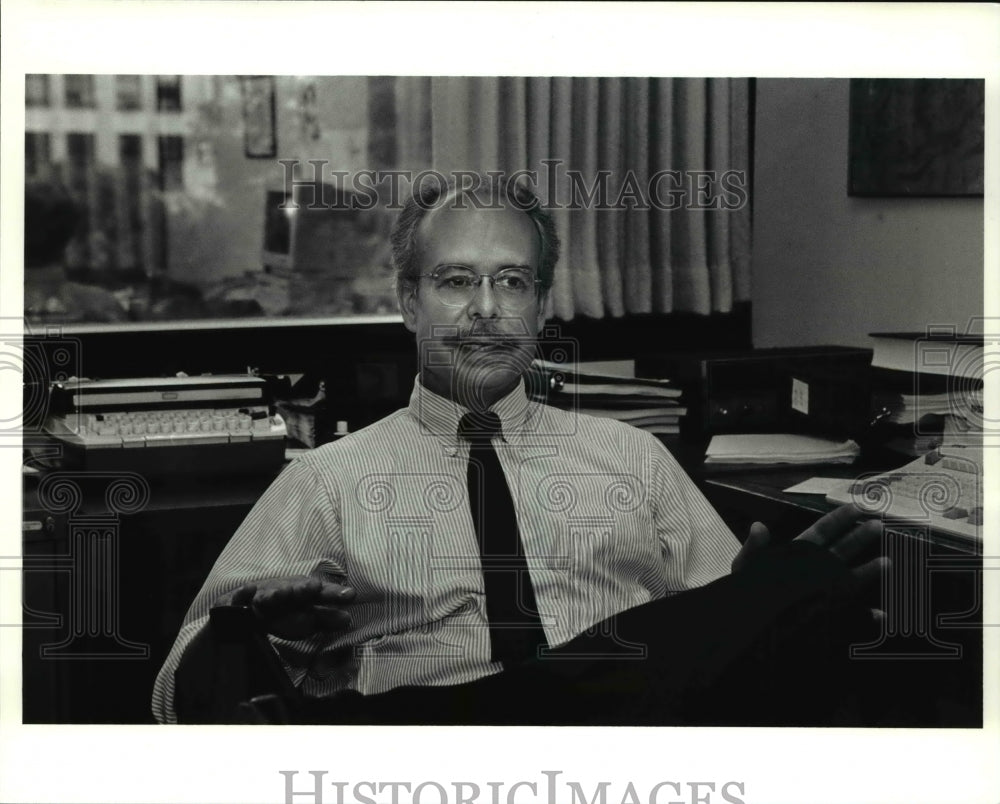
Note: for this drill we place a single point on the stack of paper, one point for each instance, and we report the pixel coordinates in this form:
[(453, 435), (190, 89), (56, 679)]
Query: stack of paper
[(779, 448), (909, 408), (604, 390), (927, 387), (945, 354), (579, 379)]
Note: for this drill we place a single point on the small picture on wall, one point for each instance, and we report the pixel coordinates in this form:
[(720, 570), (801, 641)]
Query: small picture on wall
[(916, 137), (259, 139)]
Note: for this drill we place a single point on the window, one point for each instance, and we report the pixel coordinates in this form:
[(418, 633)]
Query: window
[(37, 152), (80, 149), (80, 92), (81, 181), (168, 93), (131, 203), (128, 93), (36, 91), (130, 150), (171, 163)]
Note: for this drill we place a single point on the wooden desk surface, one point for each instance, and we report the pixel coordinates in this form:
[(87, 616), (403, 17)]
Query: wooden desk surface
[(742, 497), (768, 485), (178, 495)]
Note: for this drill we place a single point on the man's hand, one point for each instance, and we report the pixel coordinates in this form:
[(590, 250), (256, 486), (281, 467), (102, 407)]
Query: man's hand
[(845, 532), (296, 608)]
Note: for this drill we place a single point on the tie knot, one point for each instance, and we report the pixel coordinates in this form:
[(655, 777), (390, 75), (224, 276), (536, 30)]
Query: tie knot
[(477, 426)]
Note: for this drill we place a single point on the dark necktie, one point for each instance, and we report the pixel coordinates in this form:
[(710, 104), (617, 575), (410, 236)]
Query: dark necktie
[(515, 628)]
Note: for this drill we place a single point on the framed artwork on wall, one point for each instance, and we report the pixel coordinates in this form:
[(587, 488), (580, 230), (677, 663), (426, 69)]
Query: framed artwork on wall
[(916, 137), (259, 137)]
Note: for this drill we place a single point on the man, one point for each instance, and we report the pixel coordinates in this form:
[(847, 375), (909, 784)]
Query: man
[(364, 562)]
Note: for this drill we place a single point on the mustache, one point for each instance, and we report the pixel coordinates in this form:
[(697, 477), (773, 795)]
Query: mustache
[(483, 339), (489, 331), (510, 331)]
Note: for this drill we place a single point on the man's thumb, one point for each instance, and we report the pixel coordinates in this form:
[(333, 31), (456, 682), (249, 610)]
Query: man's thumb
[(758, 539)]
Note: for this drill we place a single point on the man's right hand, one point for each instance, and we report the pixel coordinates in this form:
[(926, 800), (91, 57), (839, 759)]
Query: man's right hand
[(296, 608)]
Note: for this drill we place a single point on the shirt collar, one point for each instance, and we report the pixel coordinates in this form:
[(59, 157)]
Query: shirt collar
[(439, 416)]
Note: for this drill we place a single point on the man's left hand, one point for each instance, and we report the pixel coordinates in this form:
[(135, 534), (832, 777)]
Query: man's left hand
[(846, 533)]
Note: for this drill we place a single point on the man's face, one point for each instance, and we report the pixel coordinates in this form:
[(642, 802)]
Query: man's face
[(474, 352)]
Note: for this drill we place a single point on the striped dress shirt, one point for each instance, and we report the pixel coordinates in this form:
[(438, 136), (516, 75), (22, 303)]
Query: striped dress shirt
[(608, 519)]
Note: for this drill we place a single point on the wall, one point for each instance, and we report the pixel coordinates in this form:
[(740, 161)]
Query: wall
[(828, 269)]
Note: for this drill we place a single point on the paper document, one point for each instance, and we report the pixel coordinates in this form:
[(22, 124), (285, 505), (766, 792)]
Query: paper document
[(779, 448), (819, 485)]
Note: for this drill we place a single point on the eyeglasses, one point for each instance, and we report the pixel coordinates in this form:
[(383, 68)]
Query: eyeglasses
[(456, 285)]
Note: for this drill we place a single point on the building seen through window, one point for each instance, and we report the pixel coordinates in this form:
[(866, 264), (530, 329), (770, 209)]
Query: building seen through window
[(36, 91), (174, 200), (128, 93), (80, 92), (37, 152), (168, 93), (171, 163), (80, 149), (130, 149)]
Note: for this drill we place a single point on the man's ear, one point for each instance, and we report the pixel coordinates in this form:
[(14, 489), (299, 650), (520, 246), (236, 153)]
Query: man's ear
[(406, 295), (544, 310)]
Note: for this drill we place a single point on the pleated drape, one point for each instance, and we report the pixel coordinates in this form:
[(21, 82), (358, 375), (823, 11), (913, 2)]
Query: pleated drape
[(597, 146), (637, 270), (413, 122), (610, 232)]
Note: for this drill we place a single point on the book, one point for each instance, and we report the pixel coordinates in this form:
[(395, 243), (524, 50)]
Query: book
[(611, 401), (609, 368), (910, 408), (929, 353), (918, 378), (573, 374), (663, 413), (547, 379), (649, 404), (652, 423), (610, 389)]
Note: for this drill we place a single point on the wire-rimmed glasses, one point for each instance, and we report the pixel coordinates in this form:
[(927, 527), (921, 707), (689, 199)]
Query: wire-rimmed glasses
[(456, 285)]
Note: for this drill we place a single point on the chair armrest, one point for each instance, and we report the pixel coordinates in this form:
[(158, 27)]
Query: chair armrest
[(227, 665)]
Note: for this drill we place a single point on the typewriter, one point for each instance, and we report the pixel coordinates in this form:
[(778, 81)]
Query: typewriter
[(176, 426)]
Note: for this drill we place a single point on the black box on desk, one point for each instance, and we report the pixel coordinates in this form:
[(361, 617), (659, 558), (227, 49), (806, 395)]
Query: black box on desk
[(822, 390)]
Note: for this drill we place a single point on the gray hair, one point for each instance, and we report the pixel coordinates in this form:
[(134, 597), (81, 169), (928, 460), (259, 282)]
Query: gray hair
[(427, 195)]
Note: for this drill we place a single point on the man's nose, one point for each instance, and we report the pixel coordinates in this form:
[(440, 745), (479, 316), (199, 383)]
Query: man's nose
[(484, 300)]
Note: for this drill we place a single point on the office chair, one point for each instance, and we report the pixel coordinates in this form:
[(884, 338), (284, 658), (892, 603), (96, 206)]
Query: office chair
[(232, 674), (766, 646)]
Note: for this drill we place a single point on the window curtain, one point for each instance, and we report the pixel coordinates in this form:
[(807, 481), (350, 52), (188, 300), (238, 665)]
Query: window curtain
[(627, 252)]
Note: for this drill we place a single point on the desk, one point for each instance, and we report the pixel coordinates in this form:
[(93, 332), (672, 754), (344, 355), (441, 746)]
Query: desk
[(745, 497), (932, 598), (106, 584), (100, 667)]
